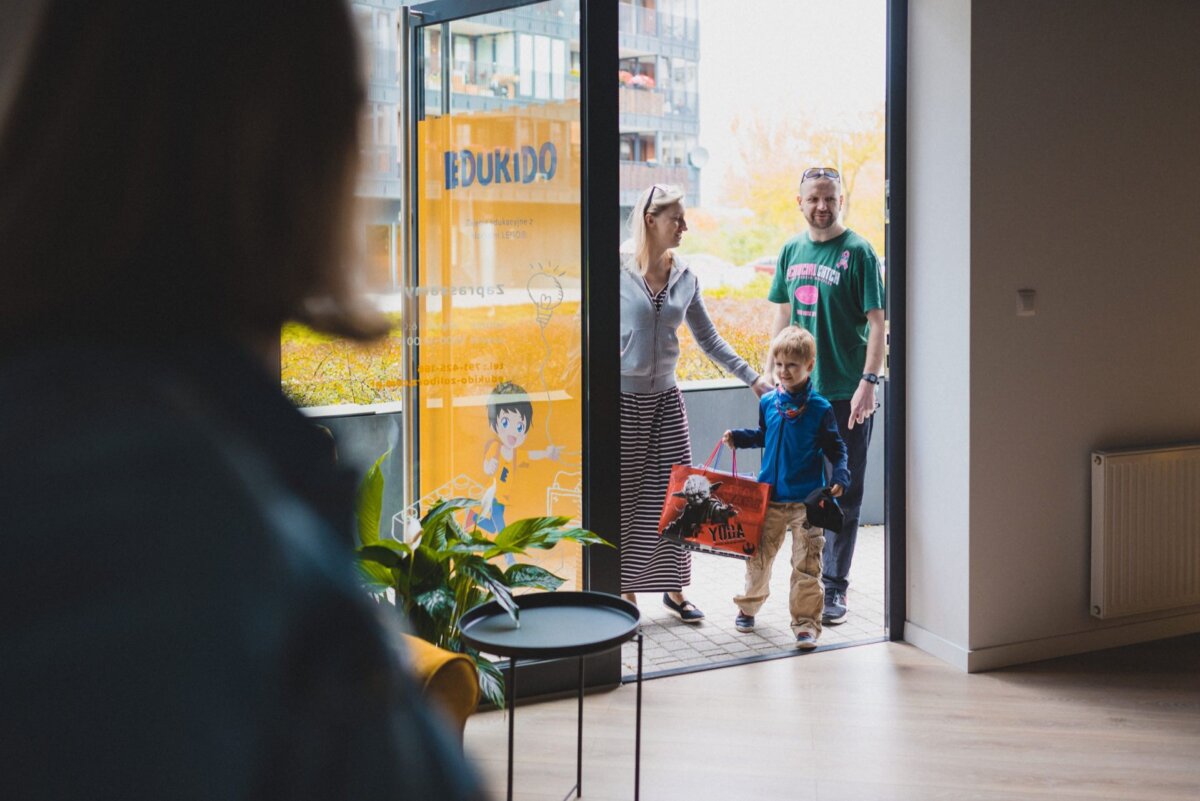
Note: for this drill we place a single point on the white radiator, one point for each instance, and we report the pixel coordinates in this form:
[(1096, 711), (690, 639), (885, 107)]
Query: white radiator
[(1145, 530)]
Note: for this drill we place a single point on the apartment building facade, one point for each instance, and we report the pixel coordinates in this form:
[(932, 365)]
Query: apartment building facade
[(531, 54)]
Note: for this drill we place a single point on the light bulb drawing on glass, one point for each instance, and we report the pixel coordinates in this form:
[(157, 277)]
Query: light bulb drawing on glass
[(546, 292)]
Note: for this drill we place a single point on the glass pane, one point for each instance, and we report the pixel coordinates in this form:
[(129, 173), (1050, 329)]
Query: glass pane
[(431, 69), (526, 43), (328, 372), (499, 407)]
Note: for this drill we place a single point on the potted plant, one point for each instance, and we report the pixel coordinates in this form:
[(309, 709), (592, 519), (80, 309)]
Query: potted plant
[(444, 569)]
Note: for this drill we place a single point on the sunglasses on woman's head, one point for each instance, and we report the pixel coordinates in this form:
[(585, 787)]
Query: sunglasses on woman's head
[(646, 210)]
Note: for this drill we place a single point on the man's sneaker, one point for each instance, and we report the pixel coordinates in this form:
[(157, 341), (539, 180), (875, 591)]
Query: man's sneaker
[(686, 611), (743, 622), (835, 608), (806, 641)]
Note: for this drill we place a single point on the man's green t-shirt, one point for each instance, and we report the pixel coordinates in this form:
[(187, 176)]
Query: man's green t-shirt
[(831, 286)]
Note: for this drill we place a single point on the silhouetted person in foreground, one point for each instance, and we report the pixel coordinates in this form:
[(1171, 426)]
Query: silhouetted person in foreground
[(179, 617)]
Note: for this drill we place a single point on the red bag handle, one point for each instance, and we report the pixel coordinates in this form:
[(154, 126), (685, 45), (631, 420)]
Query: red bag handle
[(713, 459)]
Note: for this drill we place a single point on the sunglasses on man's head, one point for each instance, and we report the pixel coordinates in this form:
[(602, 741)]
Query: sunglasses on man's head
[(646, 210), (820, 172)]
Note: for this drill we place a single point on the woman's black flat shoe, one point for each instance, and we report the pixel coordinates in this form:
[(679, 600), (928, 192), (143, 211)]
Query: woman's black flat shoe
[(686, 611)]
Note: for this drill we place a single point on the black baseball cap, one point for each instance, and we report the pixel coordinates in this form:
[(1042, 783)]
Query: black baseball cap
[(822, 510)]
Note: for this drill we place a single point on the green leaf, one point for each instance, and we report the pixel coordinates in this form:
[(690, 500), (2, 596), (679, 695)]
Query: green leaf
[(395, 546), (581, 535), (446, 551), (542, 533), (471, 547), (439, 522), (503, 596), (425, 626), (369, 503), (456, 533), (438, 603), (447, 506), (481, 571), (374, 577), (475, 597), (429, 569), (491, 680), (520, 575), (520, 534), (490, 578), (385, 553)]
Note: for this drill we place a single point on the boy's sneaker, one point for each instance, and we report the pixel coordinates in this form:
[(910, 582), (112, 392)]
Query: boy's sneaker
[(835, 608), (806, 640), (743, 622)]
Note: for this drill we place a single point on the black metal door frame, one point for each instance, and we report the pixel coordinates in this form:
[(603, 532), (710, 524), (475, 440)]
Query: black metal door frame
[(895, 483), (600, 225)]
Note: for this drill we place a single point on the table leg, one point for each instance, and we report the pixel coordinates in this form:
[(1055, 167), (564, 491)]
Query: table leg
[(512, 716), (579, 738), (637, 753)]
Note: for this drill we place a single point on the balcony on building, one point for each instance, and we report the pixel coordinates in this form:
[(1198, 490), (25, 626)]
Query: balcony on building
[(476, 86), (671, 111), (377, 22), (637, 175), (555, 18), (505, 59), (667, 27)]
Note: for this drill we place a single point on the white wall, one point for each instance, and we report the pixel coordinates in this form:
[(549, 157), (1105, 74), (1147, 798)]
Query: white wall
[(938, 335), (1084, 174)]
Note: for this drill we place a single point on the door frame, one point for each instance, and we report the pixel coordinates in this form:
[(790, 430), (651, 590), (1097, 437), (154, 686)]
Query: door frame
[(599, 113), (600, 334), (895, 453)]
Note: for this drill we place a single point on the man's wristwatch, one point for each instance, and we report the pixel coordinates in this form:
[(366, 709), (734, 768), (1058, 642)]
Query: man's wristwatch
[(870, 378)]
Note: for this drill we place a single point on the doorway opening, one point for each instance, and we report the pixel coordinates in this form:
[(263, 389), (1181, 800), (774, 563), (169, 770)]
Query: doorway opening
[(720, 99), (709, 98)]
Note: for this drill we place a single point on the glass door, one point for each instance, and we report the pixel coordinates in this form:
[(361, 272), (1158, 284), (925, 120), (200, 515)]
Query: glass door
[(497, 297)]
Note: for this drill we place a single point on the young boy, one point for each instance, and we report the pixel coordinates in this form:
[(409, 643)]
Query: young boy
[(798, 432), (509, 416)]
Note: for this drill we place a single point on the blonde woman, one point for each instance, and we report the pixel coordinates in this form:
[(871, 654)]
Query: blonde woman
[(658, 294)]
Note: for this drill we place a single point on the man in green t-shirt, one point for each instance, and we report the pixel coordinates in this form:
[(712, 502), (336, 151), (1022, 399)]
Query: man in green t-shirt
[(827, 280)]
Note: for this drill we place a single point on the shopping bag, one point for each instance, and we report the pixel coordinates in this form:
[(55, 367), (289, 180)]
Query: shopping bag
[(710, 511)]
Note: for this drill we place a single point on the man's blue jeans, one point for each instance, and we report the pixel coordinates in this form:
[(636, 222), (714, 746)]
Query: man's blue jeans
[(839, 546)]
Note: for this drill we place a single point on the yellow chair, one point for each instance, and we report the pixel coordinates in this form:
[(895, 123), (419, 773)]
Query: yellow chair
[(446, 677)]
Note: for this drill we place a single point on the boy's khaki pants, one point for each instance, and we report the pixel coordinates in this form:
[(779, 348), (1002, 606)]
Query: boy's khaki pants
[(806, 597)]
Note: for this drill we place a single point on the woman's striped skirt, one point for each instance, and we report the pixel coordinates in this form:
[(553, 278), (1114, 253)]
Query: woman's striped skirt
[(654, 436)]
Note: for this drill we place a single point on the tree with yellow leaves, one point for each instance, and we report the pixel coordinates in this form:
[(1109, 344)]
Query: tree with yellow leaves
[(772, 153)]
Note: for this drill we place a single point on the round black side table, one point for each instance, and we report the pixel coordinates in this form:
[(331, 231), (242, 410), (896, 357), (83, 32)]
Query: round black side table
[(555, 625)]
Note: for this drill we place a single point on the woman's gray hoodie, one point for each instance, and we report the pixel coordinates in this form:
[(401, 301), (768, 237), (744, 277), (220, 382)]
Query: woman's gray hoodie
[(649, 344)]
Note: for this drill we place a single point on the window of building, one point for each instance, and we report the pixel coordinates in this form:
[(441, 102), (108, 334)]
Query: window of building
[(628, 147), (541, 67)]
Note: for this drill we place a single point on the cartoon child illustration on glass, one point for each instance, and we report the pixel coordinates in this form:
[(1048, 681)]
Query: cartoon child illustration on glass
[(510, 414)]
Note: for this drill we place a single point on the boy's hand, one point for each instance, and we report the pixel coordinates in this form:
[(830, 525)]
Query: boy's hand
[(835, 491), (553, 452), (727, 438), (490, 465)]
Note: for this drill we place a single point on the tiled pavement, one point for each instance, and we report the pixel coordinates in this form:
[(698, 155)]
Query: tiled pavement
[(671, 645)]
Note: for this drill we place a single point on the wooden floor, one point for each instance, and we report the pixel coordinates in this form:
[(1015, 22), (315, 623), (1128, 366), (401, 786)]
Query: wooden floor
[(882, 722)]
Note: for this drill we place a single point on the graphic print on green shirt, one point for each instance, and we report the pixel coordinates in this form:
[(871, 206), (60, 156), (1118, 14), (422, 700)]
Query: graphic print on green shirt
[(831, 286)]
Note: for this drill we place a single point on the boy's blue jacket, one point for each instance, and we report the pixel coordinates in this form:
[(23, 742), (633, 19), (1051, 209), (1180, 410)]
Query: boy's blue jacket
[(797, 432)]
